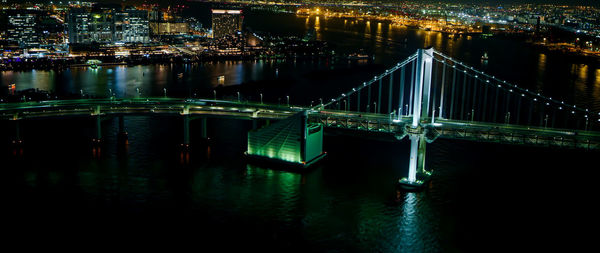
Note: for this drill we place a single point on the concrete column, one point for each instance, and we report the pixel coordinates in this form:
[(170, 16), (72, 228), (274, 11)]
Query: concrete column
[(122, 125), (254, 124), (17, 140), (421, 155), (416, 164), (204, 130), (122, 134), (98, 120), (186, 130), (414, 156)]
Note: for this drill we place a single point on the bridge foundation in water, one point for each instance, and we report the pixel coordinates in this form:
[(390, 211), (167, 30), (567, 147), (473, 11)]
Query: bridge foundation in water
[(417, 174)]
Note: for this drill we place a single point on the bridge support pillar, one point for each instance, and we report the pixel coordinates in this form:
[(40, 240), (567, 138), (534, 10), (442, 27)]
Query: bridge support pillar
[(204, 130), (417, 175), (98, 135), (17, 138), (254, 124), (186, 131), (122, 135)]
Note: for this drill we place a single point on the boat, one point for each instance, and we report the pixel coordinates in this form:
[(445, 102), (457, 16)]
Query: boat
[(94, 63), (484, 57), (361, 55)]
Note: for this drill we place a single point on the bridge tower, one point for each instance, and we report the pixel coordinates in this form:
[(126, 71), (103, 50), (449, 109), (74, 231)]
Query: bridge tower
[(420, 111)]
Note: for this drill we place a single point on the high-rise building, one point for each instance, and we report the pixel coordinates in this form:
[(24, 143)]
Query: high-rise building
[(169, 28), (226, 22), (131, 26), (155, 15), (88, 27), (108, 26), (22, 29)]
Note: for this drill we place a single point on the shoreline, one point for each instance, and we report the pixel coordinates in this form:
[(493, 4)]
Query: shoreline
[(60, 64)]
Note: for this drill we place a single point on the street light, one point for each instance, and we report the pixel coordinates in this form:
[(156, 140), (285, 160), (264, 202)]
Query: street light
[(239, 99), (261, 98), (288, 100)]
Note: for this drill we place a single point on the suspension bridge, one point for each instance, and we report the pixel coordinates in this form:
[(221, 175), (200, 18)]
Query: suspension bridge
[(425, 97)]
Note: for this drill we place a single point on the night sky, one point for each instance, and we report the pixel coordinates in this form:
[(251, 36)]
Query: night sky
[(166, 2)]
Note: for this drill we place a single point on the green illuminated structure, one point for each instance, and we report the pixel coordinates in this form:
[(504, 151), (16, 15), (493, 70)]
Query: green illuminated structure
[(290, 141)]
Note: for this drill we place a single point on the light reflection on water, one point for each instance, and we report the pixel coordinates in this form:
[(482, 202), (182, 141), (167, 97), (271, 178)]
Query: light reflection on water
[(343, 204), (508, 59)]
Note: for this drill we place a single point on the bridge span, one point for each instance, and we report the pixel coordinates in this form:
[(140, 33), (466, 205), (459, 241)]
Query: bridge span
[(426, 97)]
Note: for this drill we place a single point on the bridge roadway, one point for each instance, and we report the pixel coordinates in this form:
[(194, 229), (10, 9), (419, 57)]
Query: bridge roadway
[(370, 122), (169, 106), (462, 130)]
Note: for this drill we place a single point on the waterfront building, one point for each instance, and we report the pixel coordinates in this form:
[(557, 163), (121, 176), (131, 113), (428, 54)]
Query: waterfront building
[(107, 26), (169, 28), (22, 29), (226, 22), (90, 27), (131, 26)]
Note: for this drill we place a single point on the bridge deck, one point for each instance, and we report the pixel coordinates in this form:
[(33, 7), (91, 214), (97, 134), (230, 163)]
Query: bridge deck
[(87, 107), (463, 130), (370, 122)]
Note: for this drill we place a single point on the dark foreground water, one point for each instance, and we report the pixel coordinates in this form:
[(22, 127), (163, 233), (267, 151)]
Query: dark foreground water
[(483, 197)]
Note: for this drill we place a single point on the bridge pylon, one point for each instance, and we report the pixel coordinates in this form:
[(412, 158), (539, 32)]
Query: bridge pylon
[(421, 86)]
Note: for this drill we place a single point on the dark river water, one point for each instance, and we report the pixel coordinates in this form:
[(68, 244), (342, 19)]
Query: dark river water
[(483, 197)]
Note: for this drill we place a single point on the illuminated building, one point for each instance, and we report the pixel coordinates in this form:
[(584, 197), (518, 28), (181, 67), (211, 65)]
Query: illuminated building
[(226, 22), (131, 26), (86, 27), (22, 29), (169, 28), (108, 26)]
